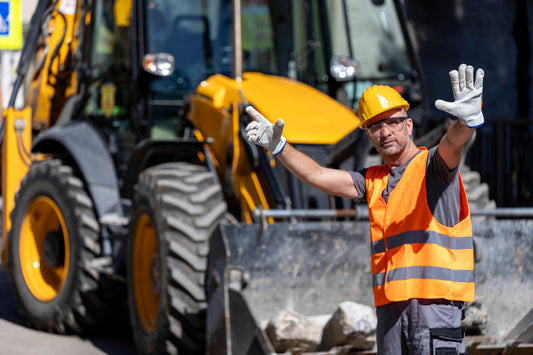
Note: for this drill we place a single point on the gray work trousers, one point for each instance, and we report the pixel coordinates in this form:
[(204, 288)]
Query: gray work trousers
[(420, 327)]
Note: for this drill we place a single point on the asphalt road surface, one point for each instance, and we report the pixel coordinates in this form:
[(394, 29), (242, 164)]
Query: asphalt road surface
[(17, 339)]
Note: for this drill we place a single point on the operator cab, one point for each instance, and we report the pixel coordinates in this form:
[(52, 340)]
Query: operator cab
[(167, 48)]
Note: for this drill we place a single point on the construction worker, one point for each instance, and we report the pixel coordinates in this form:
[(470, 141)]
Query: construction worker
[(420, 228)]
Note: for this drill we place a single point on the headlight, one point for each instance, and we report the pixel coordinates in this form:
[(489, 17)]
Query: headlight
[(160, 64), (343, 68)]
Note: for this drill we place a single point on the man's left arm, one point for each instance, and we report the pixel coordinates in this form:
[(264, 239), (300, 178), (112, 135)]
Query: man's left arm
[(466, 107)]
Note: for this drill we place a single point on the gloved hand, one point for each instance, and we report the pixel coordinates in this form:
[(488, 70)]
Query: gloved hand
[(264, 133), (467, 95)]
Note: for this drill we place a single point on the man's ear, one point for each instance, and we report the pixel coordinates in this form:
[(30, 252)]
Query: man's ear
[(409, 123)]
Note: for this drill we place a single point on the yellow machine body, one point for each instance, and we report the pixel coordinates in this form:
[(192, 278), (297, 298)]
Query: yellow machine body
[(16, 145), (312, 118), (53, 79)]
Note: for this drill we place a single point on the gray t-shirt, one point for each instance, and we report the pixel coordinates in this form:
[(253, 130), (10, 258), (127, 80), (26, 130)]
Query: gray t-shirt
[(442, 186)]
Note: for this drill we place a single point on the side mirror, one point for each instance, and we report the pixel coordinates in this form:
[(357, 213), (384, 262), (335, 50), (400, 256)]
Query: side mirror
[(160, 64), (343, 68)]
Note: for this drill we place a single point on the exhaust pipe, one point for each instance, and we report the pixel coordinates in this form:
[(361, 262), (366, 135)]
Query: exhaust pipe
[(237, 40)]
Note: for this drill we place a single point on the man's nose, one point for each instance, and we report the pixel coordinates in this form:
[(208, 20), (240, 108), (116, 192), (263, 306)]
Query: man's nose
[(385, 129)]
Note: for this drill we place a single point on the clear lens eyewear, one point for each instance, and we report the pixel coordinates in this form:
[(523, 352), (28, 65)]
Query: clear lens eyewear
[(394, 124)]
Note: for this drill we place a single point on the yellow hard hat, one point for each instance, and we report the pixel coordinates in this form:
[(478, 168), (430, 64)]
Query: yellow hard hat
[(376, 100)]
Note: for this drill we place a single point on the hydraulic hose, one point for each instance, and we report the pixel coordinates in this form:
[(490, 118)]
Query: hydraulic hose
[(29, 47), (31, 40)]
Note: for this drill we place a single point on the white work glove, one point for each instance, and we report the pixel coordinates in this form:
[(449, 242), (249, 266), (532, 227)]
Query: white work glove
[(467, 95), (264, 133)]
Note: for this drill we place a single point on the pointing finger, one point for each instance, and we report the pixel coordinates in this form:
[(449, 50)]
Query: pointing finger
[(255, 114)]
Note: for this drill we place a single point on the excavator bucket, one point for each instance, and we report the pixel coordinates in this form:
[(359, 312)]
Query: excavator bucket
[(256, 272), (504, 286)]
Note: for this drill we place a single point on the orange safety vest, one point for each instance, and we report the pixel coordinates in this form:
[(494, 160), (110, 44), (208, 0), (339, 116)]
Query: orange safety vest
[(412, 254)]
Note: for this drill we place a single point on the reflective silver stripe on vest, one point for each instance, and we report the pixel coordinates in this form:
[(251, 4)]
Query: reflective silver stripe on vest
[(423, 272), (377, 247), (422, 236), (378, 279)]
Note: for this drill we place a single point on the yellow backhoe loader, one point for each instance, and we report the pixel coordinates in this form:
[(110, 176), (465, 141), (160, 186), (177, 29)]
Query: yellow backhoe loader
[(126, 177)]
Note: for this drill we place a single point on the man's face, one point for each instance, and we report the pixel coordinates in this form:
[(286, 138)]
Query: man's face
[(391, 133)]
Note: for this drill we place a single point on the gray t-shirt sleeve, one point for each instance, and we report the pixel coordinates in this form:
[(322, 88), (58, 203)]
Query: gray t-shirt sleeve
[(360, 184), (443, 192)]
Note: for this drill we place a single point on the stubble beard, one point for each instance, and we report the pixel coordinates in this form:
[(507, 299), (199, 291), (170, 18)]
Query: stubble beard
[(393, 151)]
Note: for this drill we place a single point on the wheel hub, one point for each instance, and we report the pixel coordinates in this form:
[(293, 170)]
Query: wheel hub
[(43, 249), (54, 249), (156, 273)]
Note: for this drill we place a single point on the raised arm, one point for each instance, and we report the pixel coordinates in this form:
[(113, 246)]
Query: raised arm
[(466, 107), (332, 181)]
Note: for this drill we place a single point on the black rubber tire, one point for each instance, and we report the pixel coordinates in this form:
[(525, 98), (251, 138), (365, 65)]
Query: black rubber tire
[(84, 299), (178, 205)]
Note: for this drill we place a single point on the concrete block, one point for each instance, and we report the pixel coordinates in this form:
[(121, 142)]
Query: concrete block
[(351, 324), (290, 330)]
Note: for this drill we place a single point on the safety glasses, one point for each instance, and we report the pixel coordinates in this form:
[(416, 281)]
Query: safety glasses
[(394, 124)]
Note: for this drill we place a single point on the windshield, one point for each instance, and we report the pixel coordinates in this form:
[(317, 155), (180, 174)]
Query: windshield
[(110, 62), (199, 36), (295, 39), (369, 31), (377, 40), (279, 37)]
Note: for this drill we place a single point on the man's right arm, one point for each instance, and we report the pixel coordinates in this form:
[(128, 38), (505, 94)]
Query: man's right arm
[(332, 181)]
